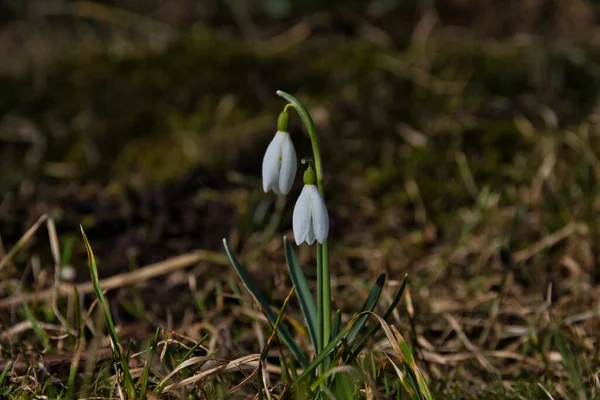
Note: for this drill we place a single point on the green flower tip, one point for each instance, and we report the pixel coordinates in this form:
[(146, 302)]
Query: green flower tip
[(283, 122), (309, 176)]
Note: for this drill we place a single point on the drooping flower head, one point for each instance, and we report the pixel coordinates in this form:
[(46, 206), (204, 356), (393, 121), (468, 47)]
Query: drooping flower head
[(310, 220), (280, 162)]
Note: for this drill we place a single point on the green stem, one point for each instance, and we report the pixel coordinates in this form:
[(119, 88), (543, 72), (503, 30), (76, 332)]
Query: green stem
[(320, 308), (323, 276), (312, 132), (326, 284)]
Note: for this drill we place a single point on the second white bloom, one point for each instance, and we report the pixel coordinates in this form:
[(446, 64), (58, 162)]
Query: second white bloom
[(310, 220)]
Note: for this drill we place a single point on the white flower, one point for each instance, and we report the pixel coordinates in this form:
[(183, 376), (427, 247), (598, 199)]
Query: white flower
[(279, 164), (310, 219)]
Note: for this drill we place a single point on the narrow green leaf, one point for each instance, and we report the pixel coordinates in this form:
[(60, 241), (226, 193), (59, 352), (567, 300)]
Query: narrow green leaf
[(307, 302), (369, 305), (5, 373), (327, 350), (78, 324), (146, 371), (117, 352), (342, 386), (572, 366), (293, 371), (388, 312), (285, 378), (337, 322), (193, 349), (411, 383), (35, 325), (414, 371), (79, 340), (67, 251), (282, 330), (73, 371)]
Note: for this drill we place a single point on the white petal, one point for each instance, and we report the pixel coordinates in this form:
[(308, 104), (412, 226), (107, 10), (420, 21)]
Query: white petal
[(270, 166), (301, 220), (318, 210), (310, 237), (289, 164)]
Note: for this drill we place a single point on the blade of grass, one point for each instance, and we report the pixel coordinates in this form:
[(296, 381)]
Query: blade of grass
[(572, 366), (415, 372), (369, 305), (282, 331), (37, 329), (327, 349), (5, 373), (79, 329), (77, 322), (265, 351), (416, 383), (146, 371), (193, 349), (307, 302), (340, 371), (293, 371), (117, 352), (55, 250), (546, 392), (405, 380), (67, 251), (73, 375), (22, 241), (337, 322), (388, 312)]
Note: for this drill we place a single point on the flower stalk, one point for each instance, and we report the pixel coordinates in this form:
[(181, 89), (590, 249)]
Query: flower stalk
[(323, 275)]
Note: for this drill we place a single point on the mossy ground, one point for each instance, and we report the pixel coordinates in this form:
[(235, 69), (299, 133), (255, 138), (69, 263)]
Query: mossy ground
[(470, 165)]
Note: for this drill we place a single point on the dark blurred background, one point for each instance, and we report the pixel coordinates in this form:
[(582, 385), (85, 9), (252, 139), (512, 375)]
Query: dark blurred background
[(147, 120)]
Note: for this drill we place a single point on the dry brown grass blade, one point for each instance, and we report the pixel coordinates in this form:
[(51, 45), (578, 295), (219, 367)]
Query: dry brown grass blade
[(247, 379), (469, 345), (189, 362), (398, 370), (129, 278), (24, 239), (26, 325), (55, 250), (235, 364), (399, 346), (448, 359), (546, 242)]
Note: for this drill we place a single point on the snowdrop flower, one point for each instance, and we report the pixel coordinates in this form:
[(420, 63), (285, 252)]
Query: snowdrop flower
[(280, 162), (310, 220)]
